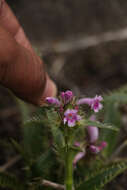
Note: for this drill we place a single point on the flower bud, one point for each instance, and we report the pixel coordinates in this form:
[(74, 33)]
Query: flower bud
[(66, 96), (53, 101), (102, 145), (94, 149)]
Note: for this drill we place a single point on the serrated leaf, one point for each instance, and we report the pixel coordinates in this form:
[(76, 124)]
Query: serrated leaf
[(54, 125), (42, 164), (33, 139), (100, 178), (98, 124)]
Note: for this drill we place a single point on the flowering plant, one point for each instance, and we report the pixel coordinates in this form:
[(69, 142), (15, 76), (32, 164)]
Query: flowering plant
[(67, 142), (72, 121)]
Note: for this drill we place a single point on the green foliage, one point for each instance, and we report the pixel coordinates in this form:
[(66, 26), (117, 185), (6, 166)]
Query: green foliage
[(98, 124), (53, 122), (100, 178), (24, 109), (44, 161), (45, 137), (11, 182), (112, 115)]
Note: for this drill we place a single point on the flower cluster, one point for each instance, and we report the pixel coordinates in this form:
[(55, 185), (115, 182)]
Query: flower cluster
[(71, 115), (69, 109)]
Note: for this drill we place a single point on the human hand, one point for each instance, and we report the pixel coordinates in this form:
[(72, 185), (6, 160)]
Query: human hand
[(21, 70)]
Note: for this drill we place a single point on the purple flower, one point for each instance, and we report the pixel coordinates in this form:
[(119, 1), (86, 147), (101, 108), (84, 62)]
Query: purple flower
[(53, 101), (78, 157), (84, 101), (93, 131), (94, 103), (71, 116), (94, 149), (102, 145), (66, 96)]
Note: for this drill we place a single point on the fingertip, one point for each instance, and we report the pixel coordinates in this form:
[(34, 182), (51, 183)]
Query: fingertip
[(50, 91)]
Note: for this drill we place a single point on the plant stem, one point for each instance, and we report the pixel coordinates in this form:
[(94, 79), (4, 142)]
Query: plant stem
[(68, 165), (68, 172)]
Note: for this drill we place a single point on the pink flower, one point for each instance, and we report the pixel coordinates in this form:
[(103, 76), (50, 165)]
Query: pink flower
[(94, 103), (93, 131), (53, 101), (66, 96), (77, 144), (78, 157), (84, 101), (96, 149), (102, 145), (71, 116)]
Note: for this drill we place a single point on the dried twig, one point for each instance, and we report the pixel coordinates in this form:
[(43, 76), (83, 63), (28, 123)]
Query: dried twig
[(83, 42), (52, 184), (10, 163)]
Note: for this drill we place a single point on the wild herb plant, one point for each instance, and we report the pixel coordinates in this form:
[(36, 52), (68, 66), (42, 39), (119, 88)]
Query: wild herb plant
[(68, 142)]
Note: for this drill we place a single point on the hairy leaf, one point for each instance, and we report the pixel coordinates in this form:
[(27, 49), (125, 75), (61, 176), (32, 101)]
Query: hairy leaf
[(100, 178), (42, 164), (98, 124)]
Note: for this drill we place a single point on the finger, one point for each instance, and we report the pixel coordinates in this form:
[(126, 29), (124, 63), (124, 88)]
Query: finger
[(22, 71), (11, 24)]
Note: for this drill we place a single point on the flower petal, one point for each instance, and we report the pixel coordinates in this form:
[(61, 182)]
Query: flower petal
[(53, 101), (78, 157), (65, 120), (71, 123), (84, 101)]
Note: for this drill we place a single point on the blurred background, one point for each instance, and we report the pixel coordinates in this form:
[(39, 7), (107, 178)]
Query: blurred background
[(83, 44)]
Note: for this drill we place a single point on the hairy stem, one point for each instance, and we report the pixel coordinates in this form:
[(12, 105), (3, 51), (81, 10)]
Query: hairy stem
[(68, 173), (68, 165)]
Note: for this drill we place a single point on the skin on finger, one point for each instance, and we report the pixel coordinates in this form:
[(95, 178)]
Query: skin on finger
[(11, 24), (21, 69), (49, 91)]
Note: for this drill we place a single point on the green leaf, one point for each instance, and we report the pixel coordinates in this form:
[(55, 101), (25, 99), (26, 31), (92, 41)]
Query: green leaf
[(111, 115), (42, 164), (120, 98), (98, 124), (33, 139), (9, 181), (54, 125), (18, 147), (100, 178), (24, 109)]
